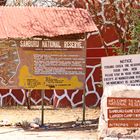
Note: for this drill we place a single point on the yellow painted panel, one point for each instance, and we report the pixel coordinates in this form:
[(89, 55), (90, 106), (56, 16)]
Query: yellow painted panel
[(29, 81)]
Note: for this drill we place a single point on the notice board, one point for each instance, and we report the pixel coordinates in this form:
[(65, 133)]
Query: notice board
[(121, 70)]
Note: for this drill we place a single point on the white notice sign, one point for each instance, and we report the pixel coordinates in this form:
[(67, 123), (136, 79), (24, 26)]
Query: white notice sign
[(121, 70)]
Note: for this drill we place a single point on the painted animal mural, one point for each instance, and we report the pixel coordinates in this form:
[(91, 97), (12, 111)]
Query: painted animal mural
[(112, 29)]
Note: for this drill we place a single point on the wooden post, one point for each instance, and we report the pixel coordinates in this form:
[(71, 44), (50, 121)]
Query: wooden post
[(84, 89), (28, 100), (42, 107), (84, 105)]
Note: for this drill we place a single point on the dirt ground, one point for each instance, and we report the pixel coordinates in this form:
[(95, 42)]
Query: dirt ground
[(51, 115)]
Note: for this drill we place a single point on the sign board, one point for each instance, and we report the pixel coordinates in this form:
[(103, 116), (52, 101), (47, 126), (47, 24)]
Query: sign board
[(120, 112), (121, 70), (123, 112), (44, 64)]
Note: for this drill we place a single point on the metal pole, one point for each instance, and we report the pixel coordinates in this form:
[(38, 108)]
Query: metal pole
[(42, 107)]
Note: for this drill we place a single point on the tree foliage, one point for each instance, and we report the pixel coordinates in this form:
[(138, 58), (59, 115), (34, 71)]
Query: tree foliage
[(131, 39)]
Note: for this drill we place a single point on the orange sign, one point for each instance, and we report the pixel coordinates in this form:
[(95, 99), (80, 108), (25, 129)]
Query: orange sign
[(123, 123), (121, 110), (123, 113), (123, 102)]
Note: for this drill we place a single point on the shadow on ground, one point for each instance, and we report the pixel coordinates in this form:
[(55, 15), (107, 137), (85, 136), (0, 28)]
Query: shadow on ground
[(68, 126)]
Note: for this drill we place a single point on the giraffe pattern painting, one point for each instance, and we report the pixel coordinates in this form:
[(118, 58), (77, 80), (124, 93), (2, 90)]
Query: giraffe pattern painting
[(99, 44)]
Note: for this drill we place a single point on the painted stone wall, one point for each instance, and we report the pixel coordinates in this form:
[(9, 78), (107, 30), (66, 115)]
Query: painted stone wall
[(99, 44)]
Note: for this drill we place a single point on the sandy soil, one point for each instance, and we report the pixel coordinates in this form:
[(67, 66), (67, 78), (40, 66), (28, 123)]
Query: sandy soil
[(18, 114)]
